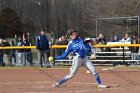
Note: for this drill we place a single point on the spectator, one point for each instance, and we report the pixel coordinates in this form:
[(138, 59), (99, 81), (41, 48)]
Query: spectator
[(1, 54), (28, 52), (42, 44), (116, 39), (101, 39), (59, 41), (126, 38), (134, 37), (12, 52), (134, 50), (6, 52), (62, 41), (90, 41), (20, 52), (58, 50)]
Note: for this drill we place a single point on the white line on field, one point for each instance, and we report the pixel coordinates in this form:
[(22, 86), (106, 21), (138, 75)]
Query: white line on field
[(26, 82), (84, 83), (45, 82), (81, 91), (53, 68), (128, 70), (101, 69)]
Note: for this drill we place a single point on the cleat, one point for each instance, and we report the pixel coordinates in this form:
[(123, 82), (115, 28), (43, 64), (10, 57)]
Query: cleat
[(48, 66), (88, 72), (102, 86), (56, 85), (41, 68)]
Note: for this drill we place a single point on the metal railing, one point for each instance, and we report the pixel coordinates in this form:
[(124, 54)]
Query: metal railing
[(100, 58)]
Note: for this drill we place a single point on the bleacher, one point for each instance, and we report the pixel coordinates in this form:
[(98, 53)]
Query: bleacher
[(110, 55)]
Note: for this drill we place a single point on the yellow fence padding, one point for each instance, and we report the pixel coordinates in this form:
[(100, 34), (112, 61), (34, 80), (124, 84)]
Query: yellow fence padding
[(64, 46)]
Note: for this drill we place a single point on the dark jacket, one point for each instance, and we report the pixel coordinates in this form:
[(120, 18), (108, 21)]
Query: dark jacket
[(20, 43), (102, 40), (6, 51), (63, 43), (42, 42), (134, 49), (12, 51), (1, 45), (26, 43)]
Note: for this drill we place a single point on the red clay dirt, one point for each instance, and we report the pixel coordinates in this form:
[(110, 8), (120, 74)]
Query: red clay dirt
[(35, 80)]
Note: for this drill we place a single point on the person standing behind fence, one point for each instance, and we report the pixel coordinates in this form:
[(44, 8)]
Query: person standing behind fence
[(6, 52), (42, 44), (58, 50), (12, 52), (134, 50), (126, 38), (101, 40), (115, 39), (64, 42), (20, 52), (1, 54), (28, 52)]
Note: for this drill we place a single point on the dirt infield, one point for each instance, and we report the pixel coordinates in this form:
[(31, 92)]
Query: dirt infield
[(35, 80)]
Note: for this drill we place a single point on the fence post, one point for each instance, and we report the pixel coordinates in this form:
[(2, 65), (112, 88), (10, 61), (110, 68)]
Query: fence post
[(54, 55), (123, 55)]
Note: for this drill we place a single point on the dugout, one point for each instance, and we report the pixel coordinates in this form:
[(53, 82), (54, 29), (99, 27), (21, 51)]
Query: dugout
[(117, 26)]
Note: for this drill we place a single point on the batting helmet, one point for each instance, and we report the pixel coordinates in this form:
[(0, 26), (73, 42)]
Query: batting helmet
[(70, 31)]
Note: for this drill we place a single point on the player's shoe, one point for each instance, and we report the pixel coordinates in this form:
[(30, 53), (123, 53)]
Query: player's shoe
[(48, 66), (56, 85), (102, 86), (88, 72)]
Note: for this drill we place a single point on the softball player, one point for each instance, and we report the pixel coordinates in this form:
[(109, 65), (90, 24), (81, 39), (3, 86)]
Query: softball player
[(77, 45)]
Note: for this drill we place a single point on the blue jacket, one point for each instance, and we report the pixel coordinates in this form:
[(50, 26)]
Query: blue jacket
[(42, 42), (77, 46)]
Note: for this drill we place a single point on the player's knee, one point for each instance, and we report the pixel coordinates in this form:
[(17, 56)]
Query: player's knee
[(71, 76), (93, 71)]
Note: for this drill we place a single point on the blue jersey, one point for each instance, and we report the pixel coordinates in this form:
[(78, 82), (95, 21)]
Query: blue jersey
[(89, 48), (77, 46)]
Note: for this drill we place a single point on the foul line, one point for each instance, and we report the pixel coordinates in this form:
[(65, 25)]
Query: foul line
[(66, 91), (45, 82)]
